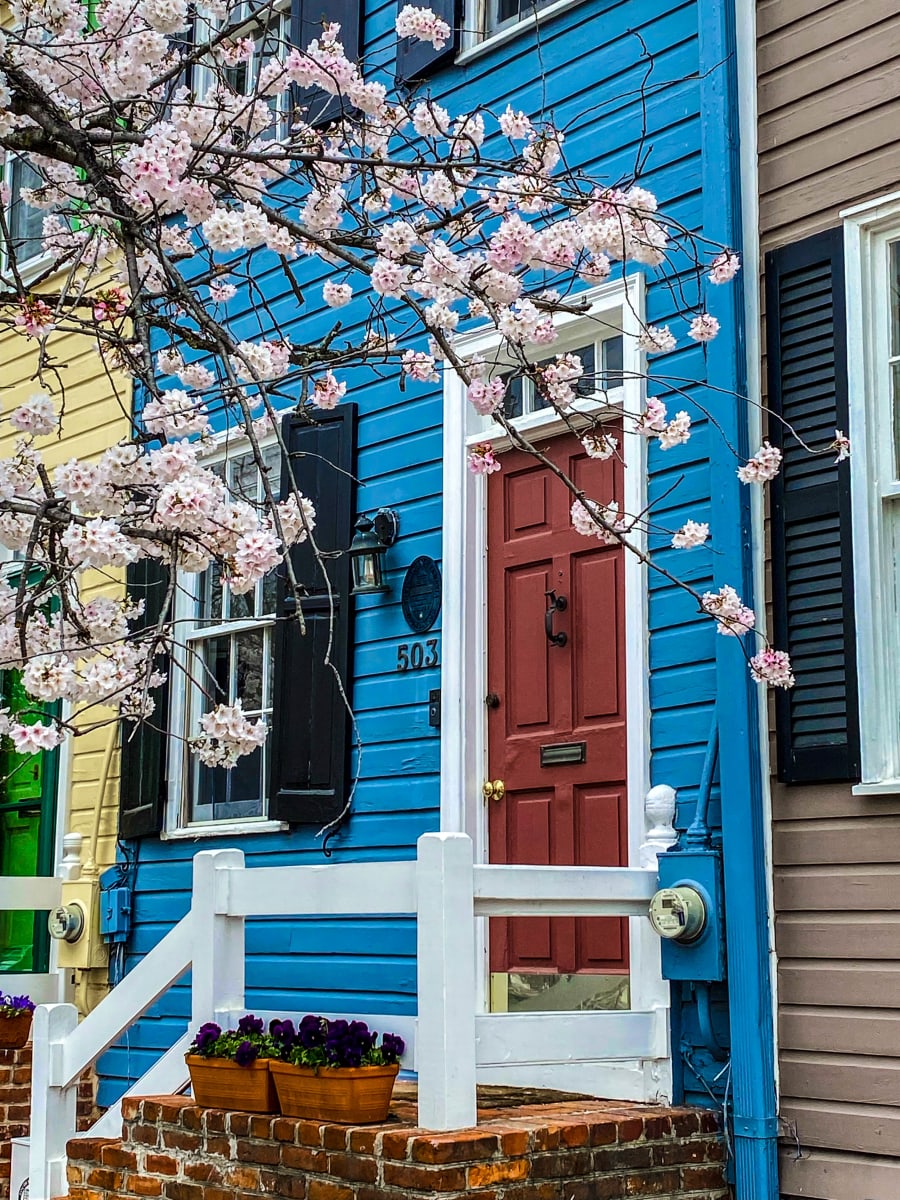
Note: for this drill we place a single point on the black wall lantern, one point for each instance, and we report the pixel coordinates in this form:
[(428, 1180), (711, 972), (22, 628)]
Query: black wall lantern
[(368, 548)]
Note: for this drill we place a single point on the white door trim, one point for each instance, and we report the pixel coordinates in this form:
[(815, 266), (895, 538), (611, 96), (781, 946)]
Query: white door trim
[(464, 621)]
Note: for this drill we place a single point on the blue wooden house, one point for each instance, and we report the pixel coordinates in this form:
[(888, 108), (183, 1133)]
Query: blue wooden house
[(555, 686)]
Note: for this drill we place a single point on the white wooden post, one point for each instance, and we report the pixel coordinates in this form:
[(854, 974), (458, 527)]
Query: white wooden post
[(217, 977), (659, 817), (445, 1037), (52, 1106)]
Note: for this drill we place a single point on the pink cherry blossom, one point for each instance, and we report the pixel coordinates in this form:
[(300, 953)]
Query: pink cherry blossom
[(599, 445), (481, 460), (36, 416), (419, 366), (336, 295), (724, 267), (772, 667), (692, 533), (703, 328), (30, 739), (328, 391), (841, 445), (423, 25), (732, 615), (764, 465)]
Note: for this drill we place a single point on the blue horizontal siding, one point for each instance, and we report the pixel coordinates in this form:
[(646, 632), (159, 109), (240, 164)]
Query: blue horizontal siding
[(594, 88)]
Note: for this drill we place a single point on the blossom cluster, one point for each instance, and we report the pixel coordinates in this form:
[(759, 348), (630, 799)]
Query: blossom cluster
[(408, 209)]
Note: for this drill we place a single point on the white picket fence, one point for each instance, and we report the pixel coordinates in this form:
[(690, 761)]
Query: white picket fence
[(449, 1044)]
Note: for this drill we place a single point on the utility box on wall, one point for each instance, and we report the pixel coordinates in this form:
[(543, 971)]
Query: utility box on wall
[(688, 913)]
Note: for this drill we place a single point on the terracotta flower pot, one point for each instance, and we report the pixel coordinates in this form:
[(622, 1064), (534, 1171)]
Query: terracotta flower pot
[(14, 1031), (347, 1095), (221, 1083)]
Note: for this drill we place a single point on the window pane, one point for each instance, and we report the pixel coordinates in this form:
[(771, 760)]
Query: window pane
[(25, 223), (613, 360), (272, 459), (216, 671), (249, 680), (895, 390), (514, 402), (894, 282), (245, 479), (211, 594), (587, 384)]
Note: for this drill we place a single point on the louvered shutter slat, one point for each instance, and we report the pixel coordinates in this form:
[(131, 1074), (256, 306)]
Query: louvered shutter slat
[(817, 720)]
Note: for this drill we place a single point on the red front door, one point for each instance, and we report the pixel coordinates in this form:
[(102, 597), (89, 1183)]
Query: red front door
[(556, 712)]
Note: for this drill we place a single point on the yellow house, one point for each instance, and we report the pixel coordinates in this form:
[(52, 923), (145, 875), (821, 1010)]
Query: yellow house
[(73, 789)]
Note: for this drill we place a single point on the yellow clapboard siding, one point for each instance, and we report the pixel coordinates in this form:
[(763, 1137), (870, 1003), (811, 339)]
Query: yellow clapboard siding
[(95, 418)]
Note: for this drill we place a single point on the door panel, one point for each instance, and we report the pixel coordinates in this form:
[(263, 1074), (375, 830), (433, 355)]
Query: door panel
[(571, 695)]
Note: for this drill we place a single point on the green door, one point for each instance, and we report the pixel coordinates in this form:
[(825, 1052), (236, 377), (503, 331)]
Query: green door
[(27, 823)]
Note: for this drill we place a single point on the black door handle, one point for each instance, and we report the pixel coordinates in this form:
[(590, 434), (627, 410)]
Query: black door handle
[(555, 604)]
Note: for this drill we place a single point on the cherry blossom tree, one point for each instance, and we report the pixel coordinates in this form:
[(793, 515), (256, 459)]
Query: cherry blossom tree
[(162, 174)]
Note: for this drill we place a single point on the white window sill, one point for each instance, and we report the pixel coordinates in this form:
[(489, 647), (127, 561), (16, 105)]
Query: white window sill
[(223, 829), (30, 270), (477, 49), (885, 787)]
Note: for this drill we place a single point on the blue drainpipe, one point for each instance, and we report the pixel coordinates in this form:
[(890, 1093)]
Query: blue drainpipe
[(740, 774)]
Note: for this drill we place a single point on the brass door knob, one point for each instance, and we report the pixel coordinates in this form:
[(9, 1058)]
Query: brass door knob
[(493, 789)]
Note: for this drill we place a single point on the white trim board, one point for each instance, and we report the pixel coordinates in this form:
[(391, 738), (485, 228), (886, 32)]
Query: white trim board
[(464, 618)]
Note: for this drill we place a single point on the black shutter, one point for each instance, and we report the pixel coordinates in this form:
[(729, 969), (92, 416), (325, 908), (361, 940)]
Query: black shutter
[(142, 787), (307, 20), (812, 559), (311, 724), (417, 60)]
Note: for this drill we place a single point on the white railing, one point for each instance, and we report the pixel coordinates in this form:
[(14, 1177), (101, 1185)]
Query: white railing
[(22, 893), (449, 1044)]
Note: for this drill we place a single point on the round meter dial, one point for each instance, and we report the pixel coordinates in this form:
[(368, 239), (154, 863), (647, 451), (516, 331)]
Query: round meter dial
[(678, 913)]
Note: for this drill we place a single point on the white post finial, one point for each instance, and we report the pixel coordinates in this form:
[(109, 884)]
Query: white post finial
[(659, 817), (70, 865)]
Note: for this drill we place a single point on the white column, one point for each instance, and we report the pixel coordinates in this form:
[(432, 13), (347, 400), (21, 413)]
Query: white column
[(445, 1036), (217, 974), (52, 1107)]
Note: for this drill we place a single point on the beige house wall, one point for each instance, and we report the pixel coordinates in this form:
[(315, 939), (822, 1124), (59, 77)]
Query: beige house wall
[(829, 137)]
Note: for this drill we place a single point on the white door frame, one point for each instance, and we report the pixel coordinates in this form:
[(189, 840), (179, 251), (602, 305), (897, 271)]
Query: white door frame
[(464, 612)]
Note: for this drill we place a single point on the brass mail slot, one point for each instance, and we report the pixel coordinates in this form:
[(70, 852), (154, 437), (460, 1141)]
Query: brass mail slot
[(563, 752)]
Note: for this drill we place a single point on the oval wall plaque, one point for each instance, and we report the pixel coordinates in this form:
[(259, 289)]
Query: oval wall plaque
[(421, 595)]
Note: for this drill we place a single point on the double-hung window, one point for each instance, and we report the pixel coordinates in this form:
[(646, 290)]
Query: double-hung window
[(872, 240), (25, 223), (294, 676), (228, 655)]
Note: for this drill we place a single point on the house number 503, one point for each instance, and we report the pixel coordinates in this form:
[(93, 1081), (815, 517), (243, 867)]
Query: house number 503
[(415, 656)]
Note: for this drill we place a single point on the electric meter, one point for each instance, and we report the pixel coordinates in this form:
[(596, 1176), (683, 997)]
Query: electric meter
[(66, 923), (678, 913)]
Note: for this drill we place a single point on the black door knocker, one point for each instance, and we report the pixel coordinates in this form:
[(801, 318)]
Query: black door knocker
[(556, 604)]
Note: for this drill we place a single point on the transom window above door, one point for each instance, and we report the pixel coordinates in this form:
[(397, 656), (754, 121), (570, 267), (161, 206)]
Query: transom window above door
[(602, 363)]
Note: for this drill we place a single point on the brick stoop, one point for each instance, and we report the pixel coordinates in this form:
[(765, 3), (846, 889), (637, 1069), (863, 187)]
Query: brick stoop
[(15, 1105), (578, 1149)]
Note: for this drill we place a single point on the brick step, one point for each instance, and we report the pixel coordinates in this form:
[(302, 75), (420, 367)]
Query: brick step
[(574, 1149)]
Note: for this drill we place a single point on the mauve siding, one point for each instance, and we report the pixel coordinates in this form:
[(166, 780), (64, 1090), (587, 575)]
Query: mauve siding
[(829, 77)]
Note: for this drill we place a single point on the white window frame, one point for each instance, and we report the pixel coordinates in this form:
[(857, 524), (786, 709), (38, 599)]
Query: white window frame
[(177, 825), (875, 488), (477, 39), (29, 268), (464, 743)]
